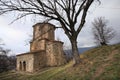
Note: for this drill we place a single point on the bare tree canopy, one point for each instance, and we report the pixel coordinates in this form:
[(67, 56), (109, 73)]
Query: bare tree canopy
[(3, 58), (66, 12), (102, 33)]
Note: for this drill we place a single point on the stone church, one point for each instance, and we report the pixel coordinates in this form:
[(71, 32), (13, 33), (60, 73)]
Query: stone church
[(45, 51)]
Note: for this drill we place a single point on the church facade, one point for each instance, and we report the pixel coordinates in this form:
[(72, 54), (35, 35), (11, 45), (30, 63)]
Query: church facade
[(45, 51)]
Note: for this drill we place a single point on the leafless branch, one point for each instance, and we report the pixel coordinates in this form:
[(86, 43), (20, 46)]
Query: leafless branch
[(101, 32), (66, 12)]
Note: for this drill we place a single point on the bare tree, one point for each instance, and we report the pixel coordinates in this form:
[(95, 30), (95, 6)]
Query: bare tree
[(102, 33), (3, 58), (6, 62), (66, 12), (12, 62)]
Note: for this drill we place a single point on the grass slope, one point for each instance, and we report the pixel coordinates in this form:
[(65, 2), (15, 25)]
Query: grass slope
[(102, 63)]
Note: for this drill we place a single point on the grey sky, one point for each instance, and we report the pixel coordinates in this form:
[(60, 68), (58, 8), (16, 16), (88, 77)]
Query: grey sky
[(15, 35)]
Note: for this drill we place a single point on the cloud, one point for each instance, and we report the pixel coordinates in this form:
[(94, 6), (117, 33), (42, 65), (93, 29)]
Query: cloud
[(14, 38), (85, 38)]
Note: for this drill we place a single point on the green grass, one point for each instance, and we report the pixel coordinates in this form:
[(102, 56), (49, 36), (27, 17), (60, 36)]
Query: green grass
[(101, 63)]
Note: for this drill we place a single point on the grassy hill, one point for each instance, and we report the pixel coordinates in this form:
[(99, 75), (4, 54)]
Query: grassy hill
[(102, 63)]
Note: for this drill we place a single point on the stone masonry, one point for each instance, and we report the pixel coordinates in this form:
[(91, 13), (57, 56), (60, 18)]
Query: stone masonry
[(45, 51)]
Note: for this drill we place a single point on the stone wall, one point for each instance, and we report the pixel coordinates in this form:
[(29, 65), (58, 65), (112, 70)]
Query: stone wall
[(39, 60), (38, 45), (25, 62), (42, 30), (55, 53), (31, 62)]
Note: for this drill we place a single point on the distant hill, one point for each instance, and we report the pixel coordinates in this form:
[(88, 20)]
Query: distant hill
[(100, 63), (82, 50)]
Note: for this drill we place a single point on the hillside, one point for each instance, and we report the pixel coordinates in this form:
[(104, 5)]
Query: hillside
[(102, 63)]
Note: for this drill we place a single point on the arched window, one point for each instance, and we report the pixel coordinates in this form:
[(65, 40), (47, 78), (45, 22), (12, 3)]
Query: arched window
[(20, 65), (24, 66)]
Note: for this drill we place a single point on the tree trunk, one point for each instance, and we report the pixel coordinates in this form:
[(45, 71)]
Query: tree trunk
[(76, 57), (103, 43)]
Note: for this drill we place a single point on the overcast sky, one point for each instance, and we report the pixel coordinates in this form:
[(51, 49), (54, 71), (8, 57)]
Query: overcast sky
[(16, 34)]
